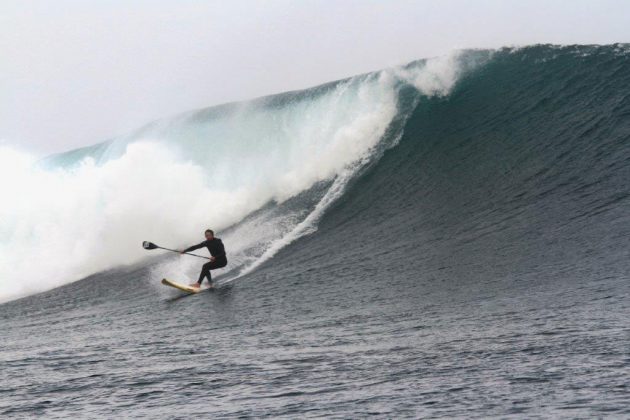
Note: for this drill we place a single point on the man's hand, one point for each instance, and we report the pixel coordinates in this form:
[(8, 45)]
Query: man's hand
[(212, 259), (181, 252)]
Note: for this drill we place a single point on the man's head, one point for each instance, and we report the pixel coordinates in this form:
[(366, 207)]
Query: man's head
[(209, 234)]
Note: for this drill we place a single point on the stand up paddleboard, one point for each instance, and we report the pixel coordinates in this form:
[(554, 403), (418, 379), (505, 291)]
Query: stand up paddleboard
[(182, 287)]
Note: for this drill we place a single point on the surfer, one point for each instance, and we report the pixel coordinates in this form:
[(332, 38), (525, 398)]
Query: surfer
[(217, 259)]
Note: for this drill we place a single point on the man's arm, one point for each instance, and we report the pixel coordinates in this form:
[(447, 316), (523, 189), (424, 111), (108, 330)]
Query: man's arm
[(192, 248)]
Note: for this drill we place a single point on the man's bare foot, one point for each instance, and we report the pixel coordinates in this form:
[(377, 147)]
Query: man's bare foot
[(195, 285)]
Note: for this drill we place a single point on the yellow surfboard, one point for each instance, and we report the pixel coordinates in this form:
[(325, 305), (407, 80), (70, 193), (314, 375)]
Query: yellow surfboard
[(183, 287)]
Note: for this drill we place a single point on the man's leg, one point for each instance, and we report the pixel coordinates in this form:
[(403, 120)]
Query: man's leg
[(205, 272), (215, 264)]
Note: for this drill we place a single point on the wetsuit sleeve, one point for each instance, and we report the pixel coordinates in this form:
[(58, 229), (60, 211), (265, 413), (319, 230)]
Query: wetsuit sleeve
[(192, 248)]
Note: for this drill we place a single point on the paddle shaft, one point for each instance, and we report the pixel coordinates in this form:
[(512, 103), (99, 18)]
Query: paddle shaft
[(187, 253)]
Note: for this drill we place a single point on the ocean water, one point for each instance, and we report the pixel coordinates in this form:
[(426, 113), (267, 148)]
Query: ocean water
[(445, 239)]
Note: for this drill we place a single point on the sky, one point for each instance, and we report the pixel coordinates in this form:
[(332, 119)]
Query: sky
[(77, 72)]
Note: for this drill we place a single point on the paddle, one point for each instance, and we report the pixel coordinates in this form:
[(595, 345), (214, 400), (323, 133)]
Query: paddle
[(151, 245)]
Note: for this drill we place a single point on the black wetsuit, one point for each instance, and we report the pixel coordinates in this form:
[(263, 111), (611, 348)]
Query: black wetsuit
[(217, 250)]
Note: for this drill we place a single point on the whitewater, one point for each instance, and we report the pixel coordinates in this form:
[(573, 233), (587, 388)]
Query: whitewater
[(443, 239), (85, 211)]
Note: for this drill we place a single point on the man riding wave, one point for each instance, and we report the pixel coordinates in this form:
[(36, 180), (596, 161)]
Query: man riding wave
[(218, 258)]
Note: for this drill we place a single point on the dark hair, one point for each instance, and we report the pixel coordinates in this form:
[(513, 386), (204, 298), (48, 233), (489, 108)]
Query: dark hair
[(209, 230)]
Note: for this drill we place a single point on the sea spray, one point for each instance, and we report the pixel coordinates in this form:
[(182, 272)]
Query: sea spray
[(85, 211)]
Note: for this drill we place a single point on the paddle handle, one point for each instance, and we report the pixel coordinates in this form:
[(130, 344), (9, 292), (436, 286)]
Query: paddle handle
[(188, 253)]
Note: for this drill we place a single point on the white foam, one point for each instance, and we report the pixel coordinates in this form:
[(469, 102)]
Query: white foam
[(60, 225), (437, 77)]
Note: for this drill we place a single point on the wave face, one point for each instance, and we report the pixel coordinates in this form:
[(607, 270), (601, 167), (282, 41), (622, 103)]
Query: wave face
[(510, 161), (521, 175), (266, 169)]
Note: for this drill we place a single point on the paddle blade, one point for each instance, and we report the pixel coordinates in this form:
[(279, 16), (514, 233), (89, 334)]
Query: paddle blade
[(149, 245)]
